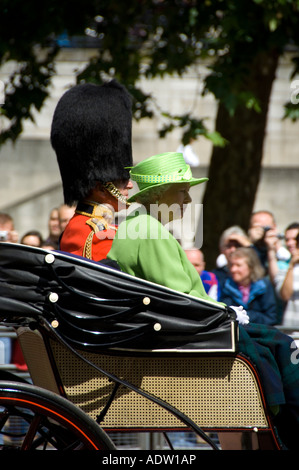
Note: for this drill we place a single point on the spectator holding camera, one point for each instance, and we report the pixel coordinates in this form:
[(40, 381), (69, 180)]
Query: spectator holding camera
[(273, 255), (287, 278), (266, 239), (7, 229)]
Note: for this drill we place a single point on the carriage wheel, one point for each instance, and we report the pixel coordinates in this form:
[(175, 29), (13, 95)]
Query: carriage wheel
[(32, 418)]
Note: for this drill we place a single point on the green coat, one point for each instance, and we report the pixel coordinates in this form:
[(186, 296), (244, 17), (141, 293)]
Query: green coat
[(144, 248)]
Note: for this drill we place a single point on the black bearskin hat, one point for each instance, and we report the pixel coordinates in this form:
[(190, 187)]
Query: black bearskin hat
[(91, 135)]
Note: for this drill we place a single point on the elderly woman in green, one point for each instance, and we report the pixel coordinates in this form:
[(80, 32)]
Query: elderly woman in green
[(143, 247)]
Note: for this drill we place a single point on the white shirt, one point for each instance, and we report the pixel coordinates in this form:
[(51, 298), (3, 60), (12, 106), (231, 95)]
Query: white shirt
[(291, 312)]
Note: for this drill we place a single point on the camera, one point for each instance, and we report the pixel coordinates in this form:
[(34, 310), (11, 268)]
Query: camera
[(3, 235), (280, 236)]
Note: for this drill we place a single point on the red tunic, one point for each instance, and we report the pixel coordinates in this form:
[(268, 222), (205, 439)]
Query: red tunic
[(78, 231)]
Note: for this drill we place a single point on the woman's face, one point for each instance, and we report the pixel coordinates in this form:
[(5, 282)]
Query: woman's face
[(290, 239), (175, 199), (240, 271)]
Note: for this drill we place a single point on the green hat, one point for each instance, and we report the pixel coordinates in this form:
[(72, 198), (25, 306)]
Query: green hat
[(162, 169)]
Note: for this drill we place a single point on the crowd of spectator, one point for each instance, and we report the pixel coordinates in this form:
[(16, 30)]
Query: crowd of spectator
[(258, 270)]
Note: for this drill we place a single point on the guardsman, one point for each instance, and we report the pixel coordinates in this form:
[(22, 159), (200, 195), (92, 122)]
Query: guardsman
[(91, 134)]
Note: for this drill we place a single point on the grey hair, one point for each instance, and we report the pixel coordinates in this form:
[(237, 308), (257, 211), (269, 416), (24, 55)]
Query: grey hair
[(230, 231), (152, 195)]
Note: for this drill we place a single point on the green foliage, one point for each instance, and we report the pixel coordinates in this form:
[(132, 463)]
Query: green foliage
[(192, 129), (144, 39), (27, 30), (291, 111), (28, 88)]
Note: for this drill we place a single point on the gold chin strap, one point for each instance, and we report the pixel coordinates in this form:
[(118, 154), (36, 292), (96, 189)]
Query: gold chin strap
[(112, 189)]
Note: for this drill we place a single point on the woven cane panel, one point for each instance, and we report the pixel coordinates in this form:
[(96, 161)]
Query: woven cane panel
[(40, 370), (214, 392)]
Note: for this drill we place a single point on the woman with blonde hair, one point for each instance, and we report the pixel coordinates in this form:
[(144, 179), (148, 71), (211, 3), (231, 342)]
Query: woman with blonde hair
[(247, 286)]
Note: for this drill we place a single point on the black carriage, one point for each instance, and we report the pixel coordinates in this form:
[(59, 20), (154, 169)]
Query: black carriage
[(108, 352)]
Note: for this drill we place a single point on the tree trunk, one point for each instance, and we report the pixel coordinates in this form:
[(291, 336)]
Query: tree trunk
[(234, 170)]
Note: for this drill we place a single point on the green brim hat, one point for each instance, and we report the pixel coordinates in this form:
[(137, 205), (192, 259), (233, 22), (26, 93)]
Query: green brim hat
[(161, 169)]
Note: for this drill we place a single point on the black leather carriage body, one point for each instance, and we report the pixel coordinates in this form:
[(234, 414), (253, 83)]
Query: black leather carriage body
[(96, 307)]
